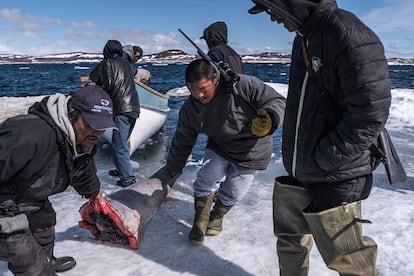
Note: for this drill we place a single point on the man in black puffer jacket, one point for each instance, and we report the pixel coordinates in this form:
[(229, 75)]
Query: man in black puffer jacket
[(114, 73), (338, 102), (41, 154)]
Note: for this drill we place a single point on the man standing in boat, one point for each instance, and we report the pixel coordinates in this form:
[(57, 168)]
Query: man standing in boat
[(114, 74), (133, 53), (239, 120)]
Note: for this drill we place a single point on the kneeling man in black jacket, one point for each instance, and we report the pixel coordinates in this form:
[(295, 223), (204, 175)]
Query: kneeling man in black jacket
[(41, 154)]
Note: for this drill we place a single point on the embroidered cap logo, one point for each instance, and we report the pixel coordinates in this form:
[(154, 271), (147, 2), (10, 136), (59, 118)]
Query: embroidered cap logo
[(104, 107)]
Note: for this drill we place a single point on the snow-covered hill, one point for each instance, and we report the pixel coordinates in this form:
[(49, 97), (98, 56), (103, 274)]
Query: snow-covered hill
[(168, 56)]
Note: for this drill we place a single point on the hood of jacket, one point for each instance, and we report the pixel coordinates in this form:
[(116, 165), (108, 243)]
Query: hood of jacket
[(54, 110), (296, 12), (128, 52), (112, 48), (57, 106), (215, 34)]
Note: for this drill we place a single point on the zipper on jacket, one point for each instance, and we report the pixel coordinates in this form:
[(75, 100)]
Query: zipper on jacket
[(300, 108)]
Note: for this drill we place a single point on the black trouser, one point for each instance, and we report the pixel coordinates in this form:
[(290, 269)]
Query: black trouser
[(30, 251), (25, 255), (328, 195)]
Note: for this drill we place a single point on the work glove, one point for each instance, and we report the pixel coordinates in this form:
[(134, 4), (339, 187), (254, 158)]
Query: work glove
[(262, 124), (166, 176), (12, 224)]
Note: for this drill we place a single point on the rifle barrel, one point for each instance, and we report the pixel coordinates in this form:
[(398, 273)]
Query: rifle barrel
[(199, 51)]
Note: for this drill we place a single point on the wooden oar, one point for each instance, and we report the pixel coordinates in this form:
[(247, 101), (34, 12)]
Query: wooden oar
[(153, 91), (84, 78)]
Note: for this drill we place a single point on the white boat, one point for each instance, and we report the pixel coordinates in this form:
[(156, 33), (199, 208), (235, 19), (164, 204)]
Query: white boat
[(77, 67), (159, 64), (154, 110)]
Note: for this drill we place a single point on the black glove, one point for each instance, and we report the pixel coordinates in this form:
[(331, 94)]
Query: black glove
[(166, 176)]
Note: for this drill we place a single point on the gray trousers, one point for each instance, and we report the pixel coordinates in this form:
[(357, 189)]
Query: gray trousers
[(218, 174), (27, 252)]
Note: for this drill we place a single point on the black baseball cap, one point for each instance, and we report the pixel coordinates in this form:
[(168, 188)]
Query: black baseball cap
[(95, 106), (280, 8), (257, 8)]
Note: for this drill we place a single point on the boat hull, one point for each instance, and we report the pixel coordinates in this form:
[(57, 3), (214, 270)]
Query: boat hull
[(154, 110), (148, 123)]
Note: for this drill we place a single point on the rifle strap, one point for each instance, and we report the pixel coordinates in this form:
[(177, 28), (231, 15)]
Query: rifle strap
[(306, 55), (377, 153), (327, 99)]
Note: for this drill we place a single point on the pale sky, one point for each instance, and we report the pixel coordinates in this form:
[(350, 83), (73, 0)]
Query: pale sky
[(49, 27)]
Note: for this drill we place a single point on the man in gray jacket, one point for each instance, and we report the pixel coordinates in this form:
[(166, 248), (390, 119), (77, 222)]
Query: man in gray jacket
[(338, 102), (133, 53), (239, 120)]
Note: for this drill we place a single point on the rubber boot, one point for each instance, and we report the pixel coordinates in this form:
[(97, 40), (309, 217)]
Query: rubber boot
[(62, 264), (202, 206), (290, 227), (215, 223), (338, 235)]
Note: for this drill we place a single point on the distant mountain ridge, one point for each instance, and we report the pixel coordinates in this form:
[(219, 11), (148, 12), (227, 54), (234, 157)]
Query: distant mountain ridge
[(168, 56)]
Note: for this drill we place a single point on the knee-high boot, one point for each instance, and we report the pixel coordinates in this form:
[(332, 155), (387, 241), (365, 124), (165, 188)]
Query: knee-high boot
[(215, 224), (202, 206), (290, 227), (338, 235)]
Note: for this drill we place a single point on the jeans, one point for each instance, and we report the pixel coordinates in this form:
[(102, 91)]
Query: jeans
[(218, 174), (120, 147)]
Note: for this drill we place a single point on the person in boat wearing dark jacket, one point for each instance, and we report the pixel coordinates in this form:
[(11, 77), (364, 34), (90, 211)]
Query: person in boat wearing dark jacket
[(239, 122), (114, 74), (215, 36), (42, 153), (338, 102), (133, 53)]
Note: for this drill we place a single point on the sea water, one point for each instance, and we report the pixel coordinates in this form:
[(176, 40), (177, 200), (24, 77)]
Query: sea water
[(17, 80)]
